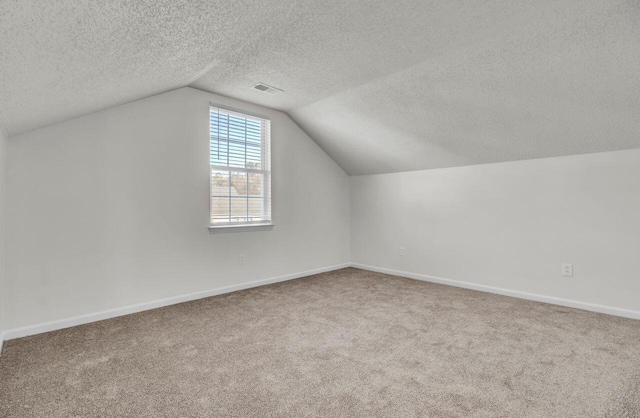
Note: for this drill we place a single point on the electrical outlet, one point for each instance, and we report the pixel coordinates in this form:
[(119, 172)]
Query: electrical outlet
[(402, 252), (567, 270), (241, 259)]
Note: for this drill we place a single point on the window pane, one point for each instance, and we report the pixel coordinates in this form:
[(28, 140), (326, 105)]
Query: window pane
[(219, 183), (254, 155), (235, 141), (256, 209), (256, 184), (219, 209), (236, 153), (239, 142), (238, 184), (238, 209)]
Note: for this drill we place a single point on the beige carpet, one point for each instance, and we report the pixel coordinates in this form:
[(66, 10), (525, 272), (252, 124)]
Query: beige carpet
[(342, 344)]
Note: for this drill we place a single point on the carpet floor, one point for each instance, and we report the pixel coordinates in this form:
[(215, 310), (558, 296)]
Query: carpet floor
[(349, 343)]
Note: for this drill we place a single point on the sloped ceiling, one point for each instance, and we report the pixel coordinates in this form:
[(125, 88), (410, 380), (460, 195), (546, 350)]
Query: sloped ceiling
[(381, 85)]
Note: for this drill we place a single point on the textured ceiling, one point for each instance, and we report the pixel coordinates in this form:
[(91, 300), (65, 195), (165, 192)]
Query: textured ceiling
[(61, 59), (382, 86)]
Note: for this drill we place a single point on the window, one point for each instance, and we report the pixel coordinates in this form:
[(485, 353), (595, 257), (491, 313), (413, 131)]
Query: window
[(240, 169)]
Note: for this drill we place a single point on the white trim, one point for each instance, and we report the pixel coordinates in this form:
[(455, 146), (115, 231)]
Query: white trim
[(11, 334), (610, 310), (240, 227), (240, 112)]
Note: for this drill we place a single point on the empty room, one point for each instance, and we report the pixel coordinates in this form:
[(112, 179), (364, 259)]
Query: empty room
[(365, 208)]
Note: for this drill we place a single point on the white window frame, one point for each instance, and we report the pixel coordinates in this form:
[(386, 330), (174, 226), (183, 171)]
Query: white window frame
[(264, 224)]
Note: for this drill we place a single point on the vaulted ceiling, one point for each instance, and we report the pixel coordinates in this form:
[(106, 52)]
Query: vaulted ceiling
[(382, 86)]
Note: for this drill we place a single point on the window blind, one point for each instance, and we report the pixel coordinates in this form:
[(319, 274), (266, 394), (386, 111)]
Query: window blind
[(240, 168)]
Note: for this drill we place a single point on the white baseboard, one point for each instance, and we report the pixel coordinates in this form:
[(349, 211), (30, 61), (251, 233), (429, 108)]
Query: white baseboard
[(610, 310), (11, 334)]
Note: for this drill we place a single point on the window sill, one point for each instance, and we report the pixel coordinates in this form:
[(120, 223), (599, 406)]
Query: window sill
[(240, 228)]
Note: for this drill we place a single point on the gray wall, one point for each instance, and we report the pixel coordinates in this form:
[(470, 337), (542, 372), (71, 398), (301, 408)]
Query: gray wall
[(510, 225), (3, 176), (111, 209)]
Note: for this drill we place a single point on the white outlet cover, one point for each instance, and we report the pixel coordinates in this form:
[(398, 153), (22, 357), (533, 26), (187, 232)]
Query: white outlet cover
[(567, 269)]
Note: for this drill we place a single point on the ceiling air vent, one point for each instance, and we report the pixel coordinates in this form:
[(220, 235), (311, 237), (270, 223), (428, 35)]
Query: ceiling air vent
[(267, 88)]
